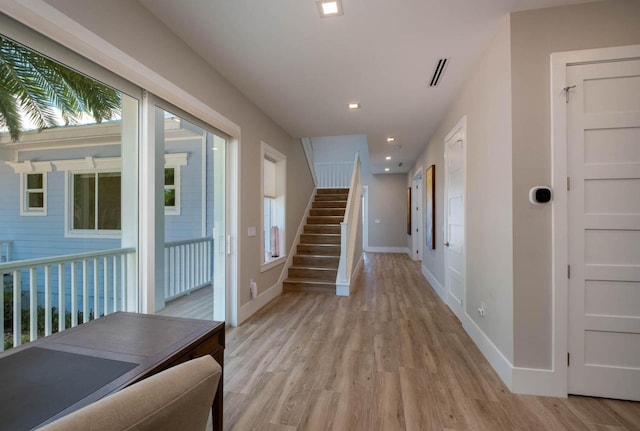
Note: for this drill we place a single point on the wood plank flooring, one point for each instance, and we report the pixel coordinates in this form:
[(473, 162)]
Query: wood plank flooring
[(196, 305), (389, 357)]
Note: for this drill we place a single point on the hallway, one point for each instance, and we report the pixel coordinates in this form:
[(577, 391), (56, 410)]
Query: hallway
[(389, 357)]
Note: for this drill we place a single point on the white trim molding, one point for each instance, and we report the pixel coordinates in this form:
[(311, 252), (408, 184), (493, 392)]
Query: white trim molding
[(253, 306), (29, 167), (435, 284)]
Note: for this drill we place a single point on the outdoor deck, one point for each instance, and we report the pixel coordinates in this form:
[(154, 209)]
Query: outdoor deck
[(195, 305)]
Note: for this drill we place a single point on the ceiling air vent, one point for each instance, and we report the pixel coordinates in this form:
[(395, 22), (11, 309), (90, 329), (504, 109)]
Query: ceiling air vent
[(437, 74)]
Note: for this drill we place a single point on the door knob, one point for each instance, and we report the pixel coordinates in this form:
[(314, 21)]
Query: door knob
[(446, 244)]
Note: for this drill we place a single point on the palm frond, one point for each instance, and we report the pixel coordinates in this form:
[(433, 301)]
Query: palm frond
[(44, 89)]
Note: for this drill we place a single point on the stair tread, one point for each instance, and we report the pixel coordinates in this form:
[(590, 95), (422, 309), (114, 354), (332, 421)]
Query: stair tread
[(318, 255), (321, 268), (309, 281)]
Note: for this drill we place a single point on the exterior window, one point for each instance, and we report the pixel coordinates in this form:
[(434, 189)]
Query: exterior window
[(169, 188), (34, 194), (96, 201), (274, 169), (270, 211), (172, 164)]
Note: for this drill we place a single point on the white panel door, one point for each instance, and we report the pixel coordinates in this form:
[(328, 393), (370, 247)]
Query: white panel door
[(604, 229), (455, 265)]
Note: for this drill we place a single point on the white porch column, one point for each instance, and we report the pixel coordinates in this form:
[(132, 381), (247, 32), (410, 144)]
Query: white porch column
[(151, 248), (129, 195)]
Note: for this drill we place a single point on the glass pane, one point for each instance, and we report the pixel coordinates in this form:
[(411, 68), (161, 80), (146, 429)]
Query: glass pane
[(91, 195), (84, 201), (34, 181), (169, 197), (36, 200), (267, 223), (109, 201), (169, 179), (194, 236)]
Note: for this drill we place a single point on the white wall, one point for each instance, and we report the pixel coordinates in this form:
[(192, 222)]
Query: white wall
[(124, 28), (341, 149), (485, 100), (388, 204)]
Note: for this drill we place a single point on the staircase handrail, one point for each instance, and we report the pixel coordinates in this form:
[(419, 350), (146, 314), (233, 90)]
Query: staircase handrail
[(348, 231)]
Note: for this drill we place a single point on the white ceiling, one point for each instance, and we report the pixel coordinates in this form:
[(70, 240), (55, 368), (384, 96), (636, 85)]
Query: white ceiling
[(303, 70)]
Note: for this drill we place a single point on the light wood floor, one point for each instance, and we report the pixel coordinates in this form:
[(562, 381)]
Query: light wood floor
[(389, 357), (196, 305)]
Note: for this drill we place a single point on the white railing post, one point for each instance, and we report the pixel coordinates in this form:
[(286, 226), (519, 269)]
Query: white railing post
[(17, 308), (47, 300), (33, 304), (85, 290), (62, 313)]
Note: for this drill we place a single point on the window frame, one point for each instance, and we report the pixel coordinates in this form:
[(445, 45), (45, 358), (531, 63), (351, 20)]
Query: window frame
[(70, 232), (25, 210), (280, 160), (174, 161)]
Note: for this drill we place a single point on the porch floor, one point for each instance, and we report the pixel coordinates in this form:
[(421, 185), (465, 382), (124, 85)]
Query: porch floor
[(196, 305)]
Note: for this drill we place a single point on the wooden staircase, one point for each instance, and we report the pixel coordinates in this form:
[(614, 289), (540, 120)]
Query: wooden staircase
[(315, 264)]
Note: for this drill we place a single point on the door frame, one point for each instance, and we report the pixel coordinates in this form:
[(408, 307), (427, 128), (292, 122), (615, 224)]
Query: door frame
[(458, 309), (556, 382), (417, 198)]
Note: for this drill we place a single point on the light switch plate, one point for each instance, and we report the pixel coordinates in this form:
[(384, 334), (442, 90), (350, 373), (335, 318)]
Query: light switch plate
[(251, 231)]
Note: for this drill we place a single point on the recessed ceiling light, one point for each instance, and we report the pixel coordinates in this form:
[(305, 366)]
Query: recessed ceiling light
[(391, 139), (354, 105), (386, 169), (329, 7), (388, 158)]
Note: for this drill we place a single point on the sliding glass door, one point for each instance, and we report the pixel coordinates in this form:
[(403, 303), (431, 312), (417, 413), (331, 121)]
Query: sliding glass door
[(192, 186)]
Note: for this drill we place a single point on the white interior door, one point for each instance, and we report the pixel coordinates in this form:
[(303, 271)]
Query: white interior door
[(454, 231), (416, 219), (604, 229)]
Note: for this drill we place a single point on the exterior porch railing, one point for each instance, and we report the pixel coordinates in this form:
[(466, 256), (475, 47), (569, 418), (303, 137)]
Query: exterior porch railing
[(188, 265), (96, 283), (51, 294)]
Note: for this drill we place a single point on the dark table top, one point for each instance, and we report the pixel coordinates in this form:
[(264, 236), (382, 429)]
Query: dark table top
[(56, 375)]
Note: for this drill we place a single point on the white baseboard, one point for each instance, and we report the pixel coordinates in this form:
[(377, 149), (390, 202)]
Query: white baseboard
[(433, 281), (342, 289), (345, 289), (498, 361), (537, 381), (387, 250), (251, 307)]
